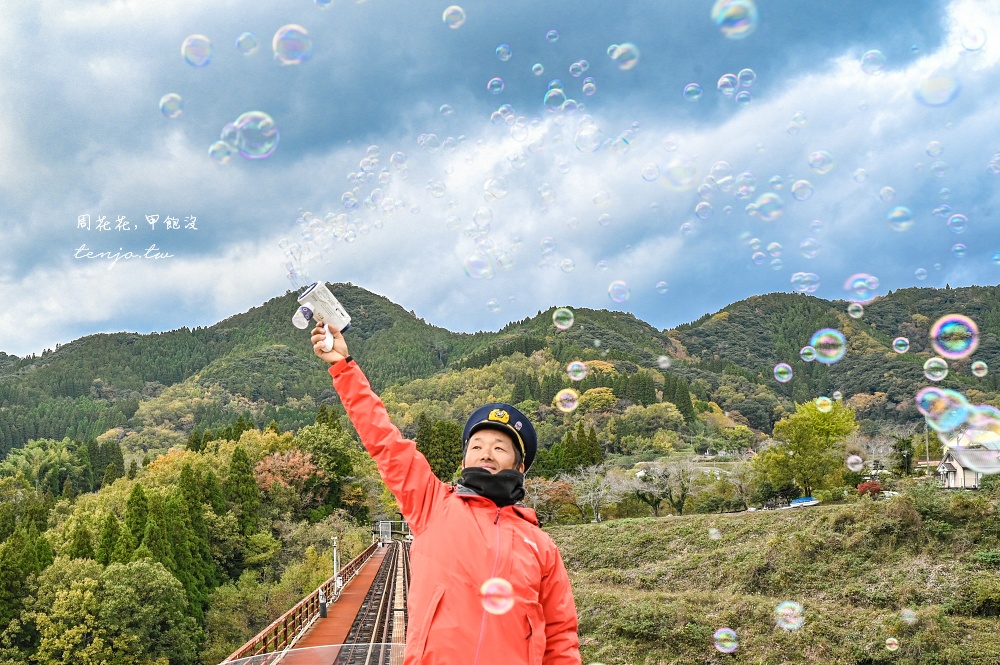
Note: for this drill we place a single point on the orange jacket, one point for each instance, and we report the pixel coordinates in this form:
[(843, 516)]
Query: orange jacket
[(461, 540)]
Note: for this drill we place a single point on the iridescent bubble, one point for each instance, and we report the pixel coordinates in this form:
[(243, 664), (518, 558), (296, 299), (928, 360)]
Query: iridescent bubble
[(944, 410), (900, 345), (937, 90), (789, 615), (727, 85), (650, 172), (958, 223), (982, 430), (954, 336), (626, 56), (495, 85), (783, 372), (769, 207), (292, 44), (872, 62), (802, 190), (824, 404), (496, 188), (171, 105), (855, 310), (830, 345), (979, 368), (908, 616), (602, 265), (663, 362), (537, 69), (743, 97), (453, 17), (446, 110), (562, 318), (221, 152), (247, 44), (935, 369), (256, 135), (577, 370), (618, 291), (958, 250), (567, 265), (567, 399), (759, 258), (855, 463), (435, 188), (934, 148), (662, 287), (604, 219), (900, 218), (680, 174), (860, 175), (714, 534), (589, 86), (552, 36), (726, 640), (891, 643), (920, 273), (809, 248), (861, 286), (747, 77), (805, 282), (995, 259), (503, 52), (973, 38), (703, 210), (497, 595), (589, 138), (821, 162), (692, 92), (197, 50), (737, 19), (886, 194), (478, 266), (493, 305)]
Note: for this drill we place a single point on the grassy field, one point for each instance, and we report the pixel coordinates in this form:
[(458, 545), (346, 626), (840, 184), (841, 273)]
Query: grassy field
[(922, 568)]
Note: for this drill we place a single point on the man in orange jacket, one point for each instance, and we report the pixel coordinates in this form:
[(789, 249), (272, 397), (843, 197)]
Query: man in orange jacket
[(466, 534)]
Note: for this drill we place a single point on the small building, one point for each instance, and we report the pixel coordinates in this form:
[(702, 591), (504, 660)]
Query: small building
[(964, 468)]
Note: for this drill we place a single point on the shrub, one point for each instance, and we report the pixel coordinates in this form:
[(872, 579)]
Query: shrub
[(872, 487)]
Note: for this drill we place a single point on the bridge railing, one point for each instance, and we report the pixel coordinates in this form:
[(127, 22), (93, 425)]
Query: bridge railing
[(283, 630)]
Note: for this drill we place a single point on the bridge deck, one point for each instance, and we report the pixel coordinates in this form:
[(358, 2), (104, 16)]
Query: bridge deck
[(340, 615)]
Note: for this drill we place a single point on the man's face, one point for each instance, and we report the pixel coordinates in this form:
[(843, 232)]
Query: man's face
[(492, 450)]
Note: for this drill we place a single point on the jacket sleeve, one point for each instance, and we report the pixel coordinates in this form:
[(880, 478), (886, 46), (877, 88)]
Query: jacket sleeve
[(403, 468), (562, 642)]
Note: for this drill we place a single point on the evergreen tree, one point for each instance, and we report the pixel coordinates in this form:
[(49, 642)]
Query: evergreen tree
[(194, 441), (445, 451), (133, 470), (111, 474), (157, 539), (187, 566), (81, 544), (273, 427), (242, 491), (136, 510), (573, 453), (213, 493), (596, 452), (125, 546), (110, 532), (68, 492)]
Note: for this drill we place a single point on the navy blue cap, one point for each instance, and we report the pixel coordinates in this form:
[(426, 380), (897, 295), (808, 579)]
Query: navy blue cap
[(507, 419)]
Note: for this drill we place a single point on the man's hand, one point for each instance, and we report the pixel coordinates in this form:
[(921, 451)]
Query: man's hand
[(339, 351)]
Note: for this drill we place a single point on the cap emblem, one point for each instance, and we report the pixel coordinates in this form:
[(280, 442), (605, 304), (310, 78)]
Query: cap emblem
[(499, 415)]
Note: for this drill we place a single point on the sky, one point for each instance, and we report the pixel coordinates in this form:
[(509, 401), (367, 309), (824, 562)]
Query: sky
[(855, 151)]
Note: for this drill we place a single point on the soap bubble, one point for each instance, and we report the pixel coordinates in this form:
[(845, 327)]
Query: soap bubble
[(824, 404), (552, 36), (807, 353), (662, 287), (727, 84), (171, 105), (692, 92), (935, 368), (478, 266), (626, 56), (537, 69), (493, 305), (802, 190), (495, 85), (861, 286), (221, 152), (982, 430), (937, 90), (567, 400), (900, 345), (453, 17), (783, 372), (973, 38), (577, 370), (504, 52), (747, 77), (197, 50), (247, 44), (789, 615), (726, 640), (908, 616), (589, 138), (821, 162), (256, 135), (855, 310), (979, 369), (830, 345), (943, 409), (855, 463), (618, 290), (562, 318), (769, 207), (954, 336), (805, 282), (663, 362), (872, 62), (291, 44), (737, 19), (900, 218), (497, 595), (891, 643)]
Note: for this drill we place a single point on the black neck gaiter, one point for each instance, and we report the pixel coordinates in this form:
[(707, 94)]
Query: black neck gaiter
[(504, 488)]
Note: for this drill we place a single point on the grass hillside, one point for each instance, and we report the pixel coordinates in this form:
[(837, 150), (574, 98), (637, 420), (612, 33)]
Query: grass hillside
[(654, 590)]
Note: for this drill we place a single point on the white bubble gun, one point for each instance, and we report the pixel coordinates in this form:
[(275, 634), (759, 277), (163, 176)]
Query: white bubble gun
[(317, 303)]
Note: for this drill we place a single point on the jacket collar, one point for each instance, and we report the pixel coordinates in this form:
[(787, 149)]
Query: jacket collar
[(519, 509)]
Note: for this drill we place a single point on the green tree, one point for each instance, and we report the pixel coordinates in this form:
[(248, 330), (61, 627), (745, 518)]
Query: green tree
[(81, 544), (808, 450), (125, 546), (444, 451), (242, 491), (110, 531), (136, 511)]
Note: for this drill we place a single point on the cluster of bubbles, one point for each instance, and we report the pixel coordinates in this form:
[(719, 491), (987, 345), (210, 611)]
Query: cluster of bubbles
[(861, 287), (960, 424), (291, 44), (254, 135), (733, 86)]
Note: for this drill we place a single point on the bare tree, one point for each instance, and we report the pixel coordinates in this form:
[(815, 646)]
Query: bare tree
[(593, 489), (547, 497)]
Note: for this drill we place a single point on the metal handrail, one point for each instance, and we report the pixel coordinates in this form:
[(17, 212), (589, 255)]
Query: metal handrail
[(283, 630)]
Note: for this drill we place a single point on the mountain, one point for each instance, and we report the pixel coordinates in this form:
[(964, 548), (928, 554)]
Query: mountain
[(90, 385)]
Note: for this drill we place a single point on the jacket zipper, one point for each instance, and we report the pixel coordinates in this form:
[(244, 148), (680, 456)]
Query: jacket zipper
[(493, 573)]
